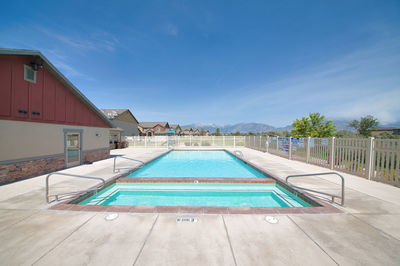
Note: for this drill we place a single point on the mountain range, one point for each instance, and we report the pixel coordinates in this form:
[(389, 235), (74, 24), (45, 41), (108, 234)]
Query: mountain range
[(260, 127), (242, 127)]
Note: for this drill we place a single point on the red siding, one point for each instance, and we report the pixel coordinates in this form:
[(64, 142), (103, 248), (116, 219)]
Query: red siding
[(49, 97), (60, 103), (36, 97), (20, 90), (48, 100), (5, 84), (158, 126)]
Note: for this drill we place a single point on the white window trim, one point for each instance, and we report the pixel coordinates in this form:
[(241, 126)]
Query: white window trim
[(34, 74)]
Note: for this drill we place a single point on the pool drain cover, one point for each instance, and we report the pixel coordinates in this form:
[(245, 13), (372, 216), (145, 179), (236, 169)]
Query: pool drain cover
[(271, 219), (111, 217), (186, 220)]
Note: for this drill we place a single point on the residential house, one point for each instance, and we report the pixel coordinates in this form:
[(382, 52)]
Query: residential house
[(154, 128), (187, 131), (190, 132), (177, 129), (125, 124), (123, 119), (46, 123)]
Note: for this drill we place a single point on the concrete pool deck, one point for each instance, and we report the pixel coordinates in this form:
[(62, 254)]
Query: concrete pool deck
[(366, 233)]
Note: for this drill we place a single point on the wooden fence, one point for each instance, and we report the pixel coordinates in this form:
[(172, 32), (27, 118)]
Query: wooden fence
[(376, 159)]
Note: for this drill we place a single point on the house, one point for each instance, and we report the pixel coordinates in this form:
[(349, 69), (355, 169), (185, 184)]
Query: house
[(196, 132), (177, 129), (123, 119), (154, 128), (46, 123), (125, 124), (191, 132), (187, 131), (389, 130)]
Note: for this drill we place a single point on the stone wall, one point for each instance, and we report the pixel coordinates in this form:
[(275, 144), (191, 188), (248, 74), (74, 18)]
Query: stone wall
[(95, 155), (22, 170)]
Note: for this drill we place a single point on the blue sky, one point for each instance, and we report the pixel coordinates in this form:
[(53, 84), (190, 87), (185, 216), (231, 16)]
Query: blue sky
[(220, 61)]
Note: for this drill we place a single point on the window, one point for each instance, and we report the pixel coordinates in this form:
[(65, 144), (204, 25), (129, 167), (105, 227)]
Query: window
[(29, 74)]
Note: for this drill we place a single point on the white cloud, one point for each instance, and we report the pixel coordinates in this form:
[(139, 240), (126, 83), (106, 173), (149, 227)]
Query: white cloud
[(92, 39), (171, 29), (365, 82)]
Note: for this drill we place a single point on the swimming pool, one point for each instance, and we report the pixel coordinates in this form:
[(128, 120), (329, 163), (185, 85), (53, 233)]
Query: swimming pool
[(197, 164), (196, 194)]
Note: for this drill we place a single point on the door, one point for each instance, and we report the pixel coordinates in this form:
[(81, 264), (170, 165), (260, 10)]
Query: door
[(73, 148)]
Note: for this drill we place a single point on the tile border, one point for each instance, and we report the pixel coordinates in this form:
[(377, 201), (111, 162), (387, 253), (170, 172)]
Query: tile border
[(320, 208)]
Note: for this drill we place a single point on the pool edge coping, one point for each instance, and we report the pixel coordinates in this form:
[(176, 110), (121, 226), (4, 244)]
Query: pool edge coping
[(323, 207)]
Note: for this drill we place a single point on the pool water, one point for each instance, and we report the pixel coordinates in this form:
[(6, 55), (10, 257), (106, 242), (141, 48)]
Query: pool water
[(196, 194), (209, 164)]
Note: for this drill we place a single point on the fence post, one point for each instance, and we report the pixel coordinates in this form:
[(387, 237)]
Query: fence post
[(234, 141), (213, 141), (223, 141), (290, 148), (368, 160), (277, 143), (308, 150), (190, 140), (267, 144), (332, 158)]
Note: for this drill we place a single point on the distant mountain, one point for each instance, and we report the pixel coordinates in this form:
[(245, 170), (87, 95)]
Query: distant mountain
[(242, 127), (341, 124)]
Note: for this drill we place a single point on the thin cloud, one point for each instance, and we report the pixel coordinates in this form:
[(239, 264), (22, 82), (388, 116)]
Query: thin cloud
[(171, 29), (360, 83), (95, 40)]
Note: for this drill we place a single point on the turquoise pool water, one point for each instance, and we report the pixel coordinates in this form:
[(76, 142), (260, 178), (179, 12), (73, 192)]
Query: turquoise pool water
[(192, 194), (211, 164)]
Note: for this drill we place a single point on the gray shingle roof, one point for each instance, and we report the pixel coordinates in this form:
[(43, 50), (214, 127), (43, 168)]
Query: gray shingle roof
[(152, 124), (113, 113)]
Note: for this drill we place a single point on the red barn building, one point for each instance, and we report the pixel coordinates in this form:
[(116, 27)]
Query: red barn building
[(46, 123)]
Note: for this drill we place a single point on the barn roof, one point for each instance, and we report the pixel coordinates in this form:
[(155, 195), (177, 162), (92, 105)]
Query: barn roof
[(60, 76)]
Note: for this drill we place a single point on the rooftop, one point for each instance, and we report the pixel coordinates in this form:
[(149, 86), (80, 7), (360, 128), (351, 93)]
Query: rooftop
[(152, 124), (46, 63)]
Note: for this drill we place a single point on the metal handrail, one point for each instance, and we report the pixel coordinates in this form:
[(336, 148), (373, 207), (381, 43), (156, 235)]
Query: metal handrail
[(320, 192), (238, 153), (58, 196), (115, 161)]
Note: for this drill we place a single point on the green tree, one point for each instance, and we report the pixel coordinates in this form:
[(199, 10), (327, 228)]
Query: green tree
[(217, 132), (237, 133), (313, 126), (365, 125)]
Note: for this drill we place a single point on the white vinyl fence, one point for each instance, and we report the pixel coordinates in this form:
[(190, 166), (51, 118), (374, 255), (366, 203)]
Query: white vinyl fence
[(185, 141), (376, 159)]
